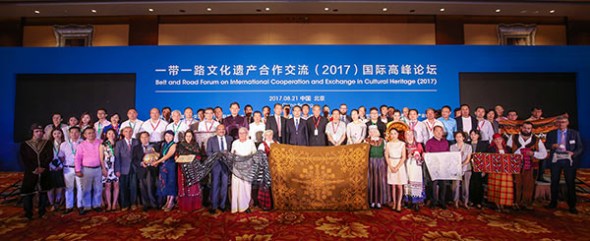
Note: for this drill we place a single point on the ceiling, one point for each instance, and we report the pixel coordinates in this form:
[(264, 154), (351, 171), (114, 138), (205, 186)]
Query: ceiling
[(30, 8)]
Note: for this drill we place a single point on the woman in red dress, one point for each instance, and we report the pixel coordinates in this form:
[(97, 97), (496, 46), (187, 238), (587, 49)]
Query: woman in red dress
[(189, 196)]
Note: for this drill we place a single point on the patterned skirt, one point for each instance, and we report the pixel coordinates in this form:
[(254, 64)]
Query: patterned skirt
[(415, 187), (189, 198), (501, 189), (167, 179), (379, 190), (265, 198)]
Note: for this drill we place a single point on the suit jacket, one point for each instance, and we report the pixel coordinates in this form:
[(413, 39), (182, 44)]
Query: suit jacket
[(573, 143), (297, 135), (124, 156), (346, 118), (271, 124), (320, 139), (460, 124), (213, 144), (137, 158)]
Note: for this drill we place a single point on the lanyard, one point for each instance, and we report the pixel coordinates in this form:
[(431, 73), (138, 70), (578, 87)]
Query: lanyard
[(210, 127), (99, 128), (334, 130), (316, 123), (166, 147), (175, 129), (110, 147), (154, 127), (413, 125), (430, 128), (479, 126), (132, 126), (72, 147)]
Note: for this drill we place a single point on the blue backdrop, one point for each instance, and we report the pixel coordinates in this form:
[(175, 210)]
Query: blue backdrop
[(201, 76)]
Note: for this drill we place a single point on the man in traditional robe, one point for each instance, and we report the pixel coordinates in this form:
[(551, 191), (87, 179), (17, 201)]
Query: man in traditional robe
[(35, 154)]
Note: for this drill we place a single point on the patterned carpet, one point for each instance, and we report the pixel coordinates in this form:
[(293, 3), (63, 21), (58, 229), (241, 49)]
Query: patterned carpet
[(452, 224)]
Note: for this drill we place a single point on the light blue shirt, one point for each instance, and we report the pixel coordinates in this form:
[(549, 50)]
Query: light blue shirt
[(450, 127)]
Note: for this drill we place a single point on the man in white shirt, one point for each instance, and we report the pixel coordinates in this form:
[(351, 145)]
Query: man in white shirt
[(533, 150), (466, 122), (429, 124), (256, 127), (417, 126), (177, 126), (336, 130), (72, 121), (207, 128), (155, 126), (190, 121), (305, 111), (67, 154), (102, 122), (132, 122), (484, 126)]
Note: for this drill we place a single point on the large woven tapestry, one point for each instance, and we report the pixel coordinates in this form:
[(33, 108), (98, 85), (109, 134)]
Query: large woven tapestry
[(319, 178), (497, 163)]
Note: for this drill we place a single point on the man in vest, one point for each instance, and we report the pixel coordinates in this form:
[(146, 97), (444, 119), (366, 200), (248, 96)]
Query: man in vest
[(532, 150)]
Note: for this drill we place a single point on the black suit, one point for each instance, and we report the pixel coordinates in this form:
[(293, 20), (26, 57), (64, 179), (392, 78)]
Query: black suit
[(271, 124), (219, 172), (297, 135), (319, 139), (460, 126), (146, 177), (573, 143)]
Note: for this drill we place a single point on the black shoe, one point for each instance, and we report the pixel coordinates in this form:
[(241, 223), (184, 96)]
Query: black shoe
[(212, 211), (417, 207), (98, 210), (248, 210), (68, 210), (222, 210), (551, 206), (41, 214), (573, 211), (444, 207), (82, 211), (30, 218)]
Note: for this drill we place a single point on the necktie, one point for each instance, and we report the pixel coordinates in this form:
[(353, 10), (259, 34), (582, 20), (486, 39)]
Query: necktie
[(296, 124), (279, 124), (562, 142), (222, 143)]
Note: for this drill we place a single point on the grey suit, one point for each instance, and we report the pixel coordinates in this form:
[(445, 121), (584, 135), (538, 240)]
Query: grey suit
[(128, 179)]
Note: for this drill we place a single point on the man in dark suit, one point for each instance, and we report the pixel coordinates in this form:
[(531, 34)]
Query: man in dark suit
[(146, 175), (124, 170), (297, 128), (219, 173), (277, 123), (565, 147), (466, 122), (344, 117), (316, 128)]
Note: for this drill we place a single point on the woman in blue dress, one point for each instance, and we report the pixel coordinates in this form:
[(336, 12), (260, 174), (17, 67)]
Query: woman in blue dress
[(167, 186)]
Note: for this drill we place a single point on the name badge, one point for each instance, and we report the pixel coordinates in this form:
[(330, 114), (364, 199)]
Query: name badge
[(572, 142), (315, 132)]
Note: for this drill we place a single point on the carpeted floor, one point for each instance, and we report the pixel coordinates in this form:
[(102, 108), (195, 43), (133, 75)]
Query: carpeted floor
[(452, 224)]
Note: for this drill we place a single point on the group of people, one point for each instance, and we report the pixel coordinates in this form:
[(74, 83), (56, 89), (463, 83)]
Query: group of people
[(120, 166)]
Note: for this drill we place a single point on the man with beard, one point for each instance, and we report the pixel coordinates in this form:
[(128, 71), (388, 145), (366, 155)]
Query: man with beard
[(532, 149)]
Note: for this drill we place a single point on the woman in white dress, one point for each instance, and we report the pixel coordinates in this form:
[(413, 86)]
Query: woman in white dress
[(241, 190), (395, 156), (355, 130)]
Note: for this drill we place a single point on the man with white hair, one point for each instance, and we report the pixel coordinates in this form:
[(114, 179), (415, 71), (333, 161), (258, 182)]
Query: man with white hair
[(177, 126)]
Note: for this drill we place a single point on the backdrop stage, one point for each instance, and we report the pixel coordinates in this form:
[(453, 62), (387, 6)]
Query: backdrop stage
[(202, 76)]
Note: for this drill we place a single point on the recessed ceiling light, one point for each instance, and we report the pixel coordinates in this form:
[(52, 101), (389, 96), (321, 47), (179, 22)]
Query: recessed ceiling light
[(523, 11), (37, 12), (209, 9), (552, 11), (150, 9), (442, 9), (267, 9), (93, 11), (385, 9), (498, 10), (326, 9)]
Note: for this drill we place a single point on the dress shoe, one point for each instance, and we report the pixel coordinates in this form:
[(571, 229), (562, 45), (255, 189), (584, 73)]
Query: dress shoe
[(551, 206), (98, 210), (68, 210), (83, 211), (248, 210), (573, 211), (211, 211)]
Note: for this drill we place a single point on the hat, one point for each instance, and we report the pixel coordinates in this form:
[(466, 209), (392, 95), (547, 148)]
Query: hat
[(36, 127)]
